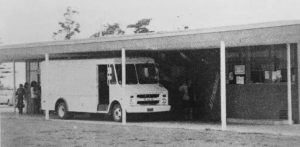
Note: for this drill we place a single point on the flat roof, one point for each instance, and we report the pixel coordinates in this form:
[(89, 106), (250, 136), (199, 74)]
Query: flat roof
[(239, 35)]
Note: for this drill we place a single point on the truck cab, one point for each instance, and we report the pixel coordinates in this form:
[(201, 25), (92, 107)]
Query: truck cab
[(143, 93)]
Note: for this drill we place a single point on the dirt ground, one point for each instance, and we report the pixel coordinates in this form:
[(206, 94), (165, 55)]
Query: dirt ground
[(30, 131)]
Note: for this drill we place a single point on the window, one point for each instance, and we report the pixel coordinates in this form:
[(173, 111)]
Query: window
[(130, 74), (263, 64), (259, 63), (147, 73), (113, 76), (236, 65)]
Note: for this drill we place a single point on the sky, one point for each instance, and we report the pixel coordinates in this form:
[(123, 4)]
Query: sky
[(24, 21)]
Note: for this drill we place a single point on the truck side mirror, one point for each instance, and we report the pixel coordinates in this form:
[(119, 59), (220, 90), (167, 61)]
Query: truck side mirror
[(109, 77), (109, 70), (109, 74)]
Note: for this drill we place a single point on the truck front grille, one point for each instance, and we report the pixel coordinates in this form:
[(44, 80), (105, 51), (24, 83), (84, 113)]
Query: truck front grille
[(147, 102), (147, 95)]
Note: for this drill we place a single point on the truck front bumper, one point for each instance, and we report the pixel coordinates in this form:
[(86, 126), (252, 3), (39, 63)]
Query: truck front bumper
[(148, 108)]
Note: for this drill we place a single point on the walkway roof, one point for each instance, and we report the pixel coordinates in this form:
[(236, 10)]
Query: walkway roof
[(241, 35)]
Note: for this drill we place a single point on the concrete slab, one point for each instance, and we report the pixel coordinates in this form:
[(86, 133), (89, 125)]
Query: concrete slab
[(257, 121), (291, 130), (279, 129)]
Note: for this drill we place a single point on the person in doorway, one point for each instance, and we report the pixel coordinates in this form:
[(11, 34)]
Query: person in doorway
[(187, 101), (38, 95), (27, 96), (20, 97), (34, 96)]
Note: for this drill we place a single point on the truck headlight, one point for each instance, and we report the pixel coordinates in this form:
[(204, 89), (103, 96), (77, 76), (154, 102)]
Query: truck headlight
[(164, 100), (132, 100)]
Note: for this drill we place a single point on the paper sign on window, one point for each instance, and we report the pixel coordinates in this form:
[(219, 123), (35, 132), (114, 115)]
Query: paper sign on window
[(267, 75), (240, 80), (278, 74), (274, 76), (239, 69)]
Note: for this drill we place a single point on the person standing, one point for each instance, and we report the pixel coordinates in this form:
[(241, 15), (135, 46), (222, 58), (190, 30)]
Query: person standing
[(187, 100), (27, 97), (38, 95), (34, 96), (20, 97)]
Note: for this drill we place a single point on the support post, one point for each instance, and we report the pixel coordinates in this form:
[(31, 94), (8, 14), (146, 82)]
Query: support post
[(223, 85), (46, 72), (298, 80), (123, 86), (14, 84), (289, 85)]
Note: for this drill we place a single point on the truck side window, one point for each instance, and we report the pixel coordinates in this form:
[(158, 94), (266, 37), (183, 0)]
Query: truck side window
[(131, 77), (113, 76)]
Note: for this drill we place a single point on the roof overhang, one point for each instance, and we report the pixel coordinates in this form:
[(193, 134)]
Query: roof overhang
[(242, 35)]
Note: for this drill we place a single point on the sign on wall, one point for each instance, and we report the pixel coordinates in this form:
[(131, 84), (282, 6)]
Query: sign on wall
[(240, 80), (239, 69)]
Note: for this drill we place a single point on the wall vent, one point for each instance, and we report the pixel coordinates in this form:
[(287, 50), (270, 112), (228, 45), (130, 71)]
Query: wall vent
[(283, 114)]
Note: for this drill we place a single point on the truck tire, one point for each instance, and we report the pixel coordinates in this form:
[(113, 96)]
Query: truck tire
[(62, 110), (117, 113)]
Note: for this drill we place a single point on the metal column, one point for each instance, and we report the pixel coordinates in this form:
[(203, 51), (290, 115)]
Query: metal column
[(46, 72), (289, 84), (123, 86), (223, 85), (14, 84)]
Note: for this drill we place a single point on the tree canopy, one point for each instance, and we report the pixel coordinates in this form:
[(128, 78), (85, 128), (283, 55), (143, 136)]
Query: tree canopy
[(141, 26), (69, 27), (110, 29)]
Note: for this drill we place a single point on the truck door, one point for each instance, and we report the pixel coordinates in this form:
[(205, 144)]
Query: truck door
[(103, 88)]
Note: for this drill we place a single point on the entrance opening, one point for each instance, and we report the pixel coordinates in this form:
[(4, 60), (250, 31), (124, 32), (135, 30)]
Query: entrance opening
[(103, 88), (199, 69)]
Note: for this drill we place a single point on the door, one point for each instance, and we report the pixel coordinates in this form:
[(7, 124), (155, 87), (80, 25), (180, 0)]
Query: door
[(103, 88)]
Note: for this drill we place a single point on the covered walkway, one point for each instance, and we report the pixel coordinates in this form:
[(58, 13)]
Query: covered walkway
[(245, 68)]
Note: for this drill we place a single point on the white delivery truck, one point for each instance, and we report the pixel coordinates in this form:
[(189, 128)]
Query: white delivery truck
[(95, 86)]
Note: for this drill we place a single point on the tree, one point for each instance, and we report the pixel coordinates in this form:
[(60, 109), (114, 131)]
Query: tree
[(140, 26), (110, 29), (69, 27)]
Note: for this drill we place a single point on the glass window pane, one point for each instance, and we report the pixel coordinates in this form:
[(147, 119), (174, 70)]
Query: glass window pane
[(260, 66), (280, 63), (113, 77), (130, 74), (147, 73)]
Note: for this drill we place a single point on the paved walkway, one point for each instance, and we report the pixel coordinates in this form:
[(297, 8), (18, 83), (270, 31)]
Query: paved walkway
[(291, 130)]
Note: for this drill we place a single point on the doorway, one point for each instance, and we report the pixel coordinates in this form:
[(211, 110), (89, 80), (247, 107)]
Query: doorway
[(103, 88)]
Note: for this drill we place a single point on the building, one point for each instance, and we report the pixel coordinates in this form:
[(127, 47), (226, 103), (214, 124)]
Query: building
[(260, 60)]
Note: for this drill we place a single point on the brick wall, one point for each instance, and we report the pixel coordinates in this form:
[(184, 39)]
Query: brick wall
[(259, 101)]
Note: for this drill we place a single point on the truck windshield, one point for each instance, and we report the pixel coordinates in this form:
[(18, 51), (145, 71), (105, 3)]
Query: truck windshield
[(130, 74), (147, 73)]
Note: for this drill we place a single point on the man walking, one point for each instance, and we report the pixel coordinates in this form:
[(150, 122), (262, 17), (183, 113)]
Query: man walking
[(20, 96)]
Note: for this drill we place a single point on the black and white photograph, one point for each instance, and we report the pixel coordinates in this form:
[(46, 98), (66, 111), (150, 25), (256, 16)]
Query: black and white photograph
[(149, 73)]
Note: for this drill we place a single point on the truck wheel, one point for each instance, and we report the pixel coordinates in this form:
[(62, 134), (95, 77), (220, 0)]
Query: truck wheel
[(117, 113), (62, 110)]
